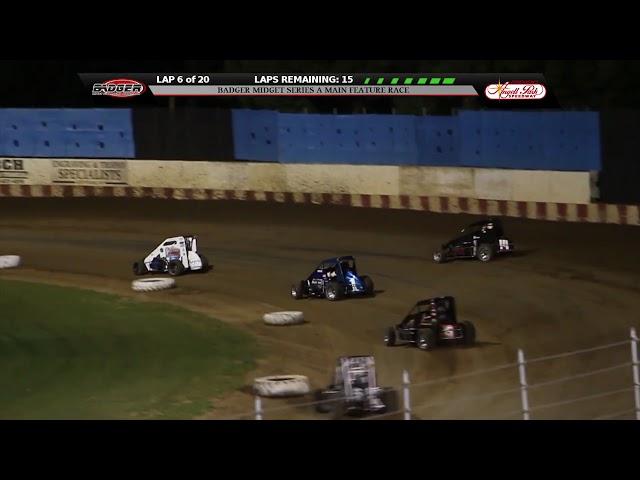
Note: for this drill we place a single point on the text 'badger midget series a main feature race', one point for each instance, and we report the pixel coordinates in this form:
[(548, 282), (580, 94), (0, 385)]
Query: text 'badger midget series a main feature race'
[(174, 255), (429, 323), (481, 240), (333, 279)]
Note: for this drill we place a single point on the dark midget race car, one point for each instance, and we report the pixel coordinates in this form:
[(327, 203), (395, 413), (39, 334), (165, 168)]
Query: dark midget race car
[(431, 322), (482, 240), (333, 279), (354, 390)]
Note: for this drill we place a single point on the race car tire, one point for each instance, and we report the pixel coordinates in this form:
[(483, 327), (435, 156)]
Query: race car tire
[(485, 252), (139, 268), (283, 318), (205, 263), (175, 268), (390, 337), (153, 284), (281, 386), (426, 339), (333, 291), (9, 261), (325, 405), (439, 256), (469, 333), (297, 291), (391, 400), (368, 285)]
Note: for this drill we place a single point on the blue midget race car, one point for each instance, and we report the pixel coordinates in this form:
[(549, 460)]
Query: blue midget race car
[(333, 279)]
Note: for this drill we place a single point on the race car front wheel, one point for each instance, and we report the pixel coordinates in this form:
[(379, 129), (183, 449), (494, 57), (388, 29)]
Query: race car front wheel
[(139, 268), (297, 291), (439, 256), (390, 337), (205, 263), (175, 268), (485, 252), (333, 291), (469, 333), (426, 339), (368, 285)]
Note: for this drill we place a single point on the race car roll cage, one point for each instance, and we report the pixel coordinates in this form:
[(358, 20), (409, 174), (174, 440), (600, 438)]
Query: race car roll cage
[(422, 318), (334, 265), (357, 374)]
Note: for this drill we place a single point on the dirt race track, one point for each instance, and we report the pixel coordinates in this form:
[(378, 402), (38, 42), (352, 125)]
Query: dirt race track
[(570, 286)]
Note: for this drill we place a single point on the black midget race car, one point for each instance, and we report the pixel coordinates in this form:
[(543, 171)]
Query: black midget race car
[(482, 240), (333, 279), (431, 322), (354, 390)]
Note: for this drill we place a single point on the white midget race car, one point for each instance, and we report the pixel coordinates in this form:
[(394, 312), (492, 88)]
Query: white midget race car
[(174, 255)]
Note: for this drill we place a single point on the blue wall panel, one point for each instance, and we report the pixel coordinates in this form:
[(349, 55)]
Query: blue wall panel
[(537, 140), (346, 139), (530, 140), (438, 140), (255, 135), (95, 133)]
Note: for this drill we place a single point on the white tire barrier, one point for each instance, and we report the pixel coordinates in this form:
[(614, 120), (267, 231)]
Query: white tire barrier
[(9, 261), (283, 318), (152, 284), (281, 386)]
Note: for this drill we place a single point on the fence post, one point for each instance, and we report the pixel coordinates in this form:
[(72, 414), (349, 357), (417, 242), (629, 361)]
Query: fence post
[(405, 390), (636, 372), (523, 385), (258, 405)]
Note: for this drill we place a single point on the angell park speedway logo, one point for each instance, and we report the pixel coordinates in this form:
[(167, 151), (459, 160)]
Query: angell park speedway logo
[(119, 88), (519, 90)]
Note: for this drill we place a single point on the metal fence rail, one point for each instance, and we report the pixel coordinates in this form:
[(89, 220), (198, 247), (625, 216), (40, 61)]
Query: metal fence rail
[(520, 366)]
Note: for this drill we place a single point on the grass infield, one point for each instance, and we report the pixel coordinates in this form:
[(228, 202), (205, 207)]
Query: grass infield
[(68, 353)]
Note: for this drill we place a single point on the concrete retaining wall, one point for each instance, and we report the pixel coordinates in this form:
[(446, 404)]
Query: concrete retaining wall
[(473, 183)]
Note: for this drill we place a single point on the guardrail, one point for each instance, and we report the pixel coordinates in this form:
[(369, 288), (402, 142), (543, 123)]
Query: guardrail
[(522, 367)]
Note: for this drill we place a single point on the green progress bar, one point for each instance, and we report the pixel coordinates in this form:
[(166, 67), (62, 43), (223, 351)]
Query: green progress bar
[(449, 81), (380, 80), (366, 81), (422, 80), (435, 81), (408, 81), (394, 80)]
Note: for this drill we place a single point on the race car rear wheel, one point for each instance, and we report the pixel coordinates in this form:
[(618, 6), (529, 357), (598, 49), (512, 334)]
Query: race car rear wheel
[(205, 263), (297, 291), (333, 291), (391, 400), (390, 337), (469, 333), (485, 252), (175, 268), (139, 268), (327, 401), (368, 284), (426, 339)]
